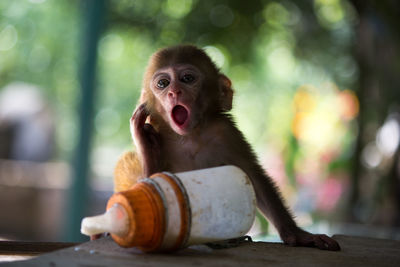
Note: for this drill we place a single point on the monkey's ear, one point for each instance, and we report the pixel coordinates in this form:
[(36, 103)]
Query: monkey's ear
[(143, 96), (146, 96), (226, 92)]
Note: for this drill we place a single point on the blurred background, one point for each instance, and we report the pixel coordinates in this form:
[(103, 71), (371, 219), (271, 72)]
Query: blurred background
[(317, 94)]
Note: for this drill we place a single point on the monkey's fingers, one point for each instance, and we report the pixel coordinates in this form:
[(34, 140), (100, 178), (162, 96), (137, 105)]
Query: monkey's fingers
[(319, 243), (306, 239), (95, 237), (326, 243), (151, 134), (98, 236), (140, 111), (137, 122), (150, 129), (139, 117)]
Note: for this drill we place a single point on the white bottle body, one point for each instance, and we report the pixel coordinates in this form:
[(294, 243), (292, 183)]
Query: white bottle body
[(222, 205), (222, 202)]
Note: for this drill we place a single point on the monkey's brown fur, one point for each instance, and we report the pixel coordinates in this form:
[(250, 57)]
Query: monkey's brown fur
[(126, 172), (182, 124)]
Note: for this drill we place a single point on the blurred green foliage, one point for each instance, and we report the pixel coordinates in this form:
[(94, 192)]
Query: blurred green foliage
[(268, 48), (40, 45)]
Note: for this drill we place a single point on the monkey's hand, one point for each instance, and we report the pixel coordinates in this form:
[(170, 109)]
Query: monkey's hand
[(98, 236), (305, 239), (147, 141)]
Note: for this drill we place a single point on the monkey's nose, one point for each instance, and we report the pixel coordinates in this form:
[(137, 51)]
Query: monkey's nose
[(174, 93)]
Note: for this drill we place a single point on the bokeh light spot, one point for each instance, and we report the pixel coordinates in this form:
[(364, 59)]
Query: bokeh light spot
[(111, 47), (329, 12), (348, 104), (37, 1), (39, 59), (216, 55), (107, 122), (281, 62), (8, 38), (276, 14), (371, 157), (177, 8), (221, 16), (388, 137)]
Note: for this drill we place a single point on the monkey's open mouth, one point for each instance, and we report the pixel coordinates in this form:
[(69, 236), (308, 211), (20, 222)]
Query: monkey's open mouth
[(179, 115)]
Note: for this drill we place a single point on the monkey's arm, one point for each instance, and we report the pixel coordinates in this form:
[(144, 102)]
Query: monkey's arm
[(147, 142), (269, 199), (133, 166), (271, 204)]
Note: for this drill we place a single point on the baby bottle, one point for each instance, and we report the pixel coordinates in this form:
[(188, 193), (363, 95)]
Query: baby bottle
[(168, 211)]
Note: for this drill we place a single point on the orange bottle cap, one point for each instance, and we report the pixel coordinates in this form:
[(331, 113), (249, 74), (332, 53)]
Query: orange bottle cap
[(146, 213)]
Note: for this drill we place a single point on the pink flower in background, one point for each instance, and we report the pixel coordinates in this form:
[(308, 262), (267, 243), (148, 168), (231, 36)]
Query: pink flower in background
[(329, 193)]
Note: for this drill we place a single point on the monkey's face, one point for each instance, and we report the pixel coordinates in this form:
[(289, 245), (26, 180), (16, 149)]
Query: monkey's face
[(176, 88)]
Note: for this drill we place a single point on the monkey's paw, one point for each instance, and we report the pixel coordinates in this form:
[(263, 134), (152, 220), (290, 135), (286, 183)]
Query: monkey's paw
[(306, 239)]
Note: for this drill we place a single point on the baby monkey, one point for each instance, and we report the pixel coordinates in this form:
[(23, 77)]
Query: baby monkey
[(182, 124)]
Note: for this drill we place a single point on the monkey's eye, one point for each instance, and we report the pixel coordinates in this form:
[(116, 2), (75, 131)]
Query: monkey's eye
[(163, 83), (188, 78)]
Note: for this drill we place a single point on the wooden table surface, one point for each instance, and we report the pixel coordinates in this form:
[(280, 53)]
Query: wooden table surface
[(356, 251)]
